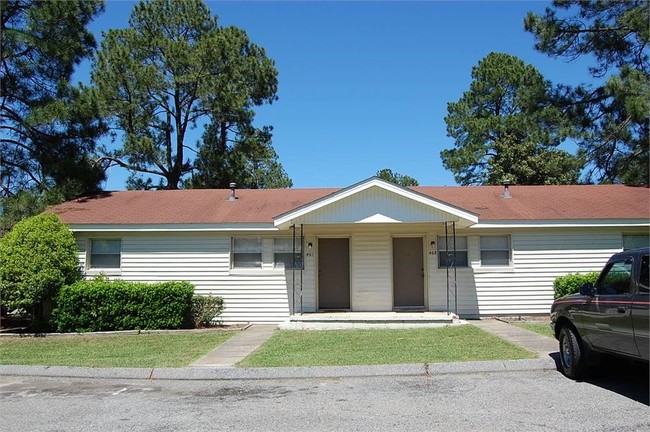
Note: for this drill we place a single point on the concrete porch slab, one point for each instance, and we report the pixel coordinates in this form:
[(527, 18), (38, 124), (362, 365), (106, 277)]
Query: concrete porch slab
[(368, 320)]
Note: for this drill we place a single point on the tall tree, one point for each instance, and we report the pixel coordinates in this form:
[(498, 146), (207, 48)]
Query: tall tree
[(248, 160), (506, 129), (173, 68), (612, 114), (398, 179), (48, 127)]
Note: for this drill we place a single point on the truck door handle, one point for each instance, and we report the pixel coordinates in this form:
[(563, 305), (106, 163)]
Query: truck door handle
[(621, 309)]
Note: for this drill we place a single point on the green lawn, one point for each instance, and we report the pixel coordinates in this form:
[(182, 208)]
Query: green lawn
[(368, 347), (541, 328), (143, 350)]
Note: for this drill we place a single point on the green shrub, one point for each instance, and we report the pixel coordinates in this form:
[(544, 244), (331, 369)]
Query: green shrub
[(205, 309), (571, 283), (101, 305), (37, 257)]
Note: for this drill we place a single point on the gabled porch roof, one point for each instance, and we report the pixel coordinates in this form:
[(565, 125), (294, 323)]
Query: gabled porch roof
[(375, 201)]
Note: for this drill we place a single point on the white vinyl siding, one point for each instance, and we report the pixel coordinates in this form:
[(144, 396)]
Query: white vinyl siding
[(250, 295), (371, 272), (268, 295), (538, 257)]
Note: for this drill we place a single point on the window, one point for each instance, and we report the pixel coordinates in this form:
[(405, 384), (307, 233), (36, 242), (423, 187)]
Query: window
[(495, 250), (283, 256), (634, 241), (105, 254), (616, 279), (247, 252), (445, 257)]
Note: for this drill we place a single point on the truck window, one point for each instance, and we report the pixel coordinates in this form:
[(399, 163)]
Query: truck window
[(644, 276), (616, 279)]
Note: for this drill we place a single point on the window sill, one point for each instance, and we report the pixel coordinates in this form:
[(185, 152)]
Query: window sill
[(460, 269), (107, 272), (494, 269), (255, 272)]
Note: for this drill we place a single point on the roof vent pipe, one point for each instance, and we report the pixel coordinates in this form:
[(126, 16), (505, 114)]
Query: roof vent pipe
[(506, 191), (233, 196)]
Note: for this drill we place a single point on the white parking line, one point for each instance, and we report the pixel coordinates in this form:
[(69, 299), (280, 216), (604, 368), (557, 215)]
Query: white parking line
[(120, 391)]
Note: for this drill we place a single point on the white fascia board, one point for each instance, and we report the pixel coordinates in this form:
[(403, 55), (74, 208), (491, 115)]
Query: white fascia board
[(172, 228), (588, 223), (286, 218)]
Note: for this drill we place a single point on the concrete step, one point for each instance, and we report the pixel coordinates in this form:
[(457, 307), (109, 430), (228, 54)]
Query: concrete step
[(361, 320)]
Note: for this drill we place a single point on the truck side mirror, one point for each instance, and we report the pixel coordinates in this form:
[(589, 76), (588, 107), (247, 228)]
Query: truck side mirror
[(588, 289)]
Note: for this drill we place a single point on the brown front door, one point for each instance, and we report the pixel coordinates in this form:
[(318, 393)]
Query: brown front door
[(334, 273), (408, 273)]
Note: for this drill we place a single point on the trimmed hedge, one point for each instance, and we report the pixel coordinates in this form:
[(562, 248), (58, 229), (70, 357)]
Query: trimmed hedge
[(571, 283), (103, 305)]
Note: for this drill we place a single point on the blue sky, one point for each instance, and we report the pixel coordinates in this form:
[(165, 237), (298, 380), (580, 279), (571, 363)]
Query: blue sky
[(365, 85)]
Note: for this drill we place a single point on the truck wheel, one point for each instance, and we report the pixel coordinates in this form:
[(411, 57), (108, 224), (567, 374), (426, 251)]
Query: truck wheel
[(573, 357)]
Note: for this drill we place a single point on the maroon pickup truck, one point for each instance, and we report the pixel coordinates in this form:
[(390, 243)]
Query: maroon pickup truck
[(608, 317)]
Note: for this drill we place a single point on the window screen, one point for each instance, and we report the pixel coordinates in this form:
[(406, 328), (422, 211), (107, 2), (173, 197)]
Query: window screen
[(635, 241), (247, 252), (283, 253), (495, 250), (446, 254), (105, 253)]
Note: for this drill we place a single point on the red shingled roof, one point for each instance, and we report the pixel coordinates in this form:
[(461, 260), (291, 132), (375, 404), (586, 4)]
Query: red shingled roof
[(211, 206)]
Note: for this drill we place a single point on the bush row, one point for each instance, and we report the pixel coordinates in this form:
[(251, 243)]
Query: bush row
[(571, 283), (103, 305)]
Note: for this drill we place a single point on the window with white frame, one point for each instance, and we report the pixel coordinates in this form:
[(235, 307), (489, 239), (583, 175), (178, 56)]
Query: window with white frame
[(283, 253), (446, 252), (105, 253), (247, 252), (495, 250)]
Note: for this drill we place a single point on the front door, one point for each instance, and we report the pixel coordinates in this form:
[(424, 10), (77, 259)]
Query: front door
[(408, 273), (334, 273)]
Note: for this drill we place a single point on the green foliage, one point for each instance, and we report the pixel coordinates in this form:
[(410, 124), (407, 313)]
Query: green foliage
[(249, 161), (101, 305), (24, 204), (505, 128), (173, 67), (205, 309), (611, 118), (571, 283), (48, 127), (37, 257), (398, 179)]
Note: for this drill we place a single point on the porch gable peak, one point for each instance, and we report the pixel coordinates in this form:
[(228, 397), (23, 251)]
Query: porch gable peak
[(375, 201)]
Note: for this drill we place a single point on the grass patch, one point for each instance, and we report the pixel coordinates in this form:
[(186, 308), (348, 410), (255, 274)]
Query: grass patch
[(372, 347), (143, 350), (542, 328)]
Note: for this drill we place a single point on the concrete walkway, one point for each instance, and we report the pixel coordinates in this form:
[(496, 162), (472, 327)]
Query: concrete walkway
[(237, 347), (537, 343)]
